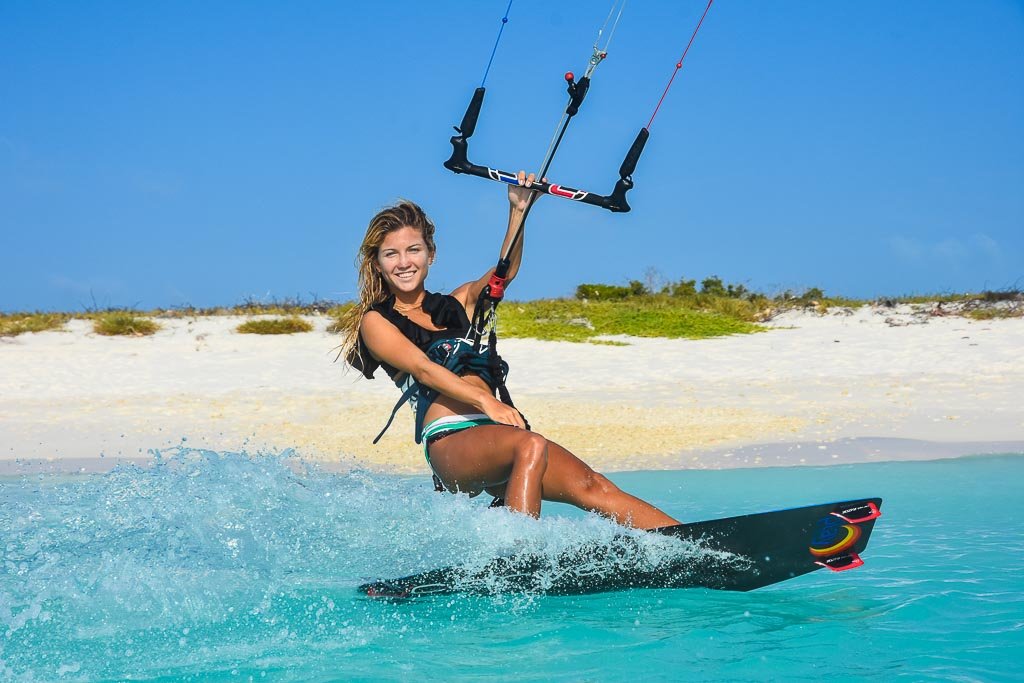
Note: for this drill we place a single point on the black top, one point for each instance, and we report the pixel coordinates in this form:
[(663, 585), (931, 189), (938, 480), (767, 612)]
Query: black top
[(446, 313)]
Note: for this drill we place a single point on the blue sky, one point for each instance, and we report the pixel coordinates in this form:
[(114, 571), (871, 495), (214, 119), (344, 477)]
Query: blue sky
[(156, 154)]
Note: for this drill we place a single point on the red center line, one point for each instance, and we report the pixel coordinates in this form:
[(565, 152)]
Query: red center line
[(679, 64)]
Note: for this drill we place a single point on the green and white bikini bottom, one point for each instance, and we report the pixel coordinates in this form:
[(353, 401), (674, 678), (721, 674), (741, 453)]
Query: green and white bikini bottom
[(451, 424)]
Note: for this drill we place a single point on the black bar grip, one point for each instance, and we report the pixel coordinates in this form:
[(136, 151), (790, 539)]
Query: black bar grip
[(459, 161), (468, 126), (577, 91), (633, 155)]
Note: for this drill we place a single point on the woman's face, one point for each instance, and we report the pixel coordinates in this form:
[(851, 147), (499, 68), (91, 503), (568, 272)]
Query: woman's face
[(404, 260)]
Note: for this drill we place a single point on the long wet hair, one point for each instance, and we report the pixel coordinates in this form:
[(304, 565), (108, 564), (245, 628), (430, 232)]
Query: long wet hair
[(373, 288)]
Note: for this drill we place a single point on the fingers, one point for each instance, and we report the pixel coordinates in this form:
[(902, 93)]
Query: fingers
[(527, 180), (511, 416), (523, 194), (505, 414)]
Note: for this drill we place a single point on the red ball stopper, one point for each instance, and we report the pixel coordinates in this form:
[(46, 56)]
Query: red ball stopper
[(569, 76)]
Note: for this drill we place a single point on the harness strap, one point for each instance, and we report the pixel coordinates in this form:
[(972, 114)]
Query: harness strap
[(406, 395), (494, 360)]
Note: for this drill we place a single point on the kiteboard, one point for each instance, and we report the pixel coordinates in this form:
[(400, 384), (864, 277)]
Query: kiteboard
[(735, 553)]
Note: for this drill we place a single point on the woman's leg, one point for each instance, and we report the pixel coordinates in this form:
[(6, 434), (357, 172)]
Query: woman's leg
[(570, 480), (492, 455), (531, 467)]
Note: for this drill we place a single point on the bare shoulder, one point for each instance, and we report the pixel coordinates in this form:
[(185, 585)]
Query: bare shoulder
[(387, 343), (374, 325)]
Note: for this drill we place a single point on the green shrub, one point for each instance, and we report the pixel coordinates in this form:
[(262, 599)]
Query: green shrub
[(13, 324), (611, 292), (810, 296), (712, 286), (123, 323), (736, 291), (995, 313), (637, 288), (683, 288), (602, 292), (289, 325), (989, 296)]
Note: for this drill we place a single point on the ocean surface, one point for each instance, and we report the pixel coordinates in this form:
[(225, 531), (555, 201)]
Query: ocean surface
[(228, 566)]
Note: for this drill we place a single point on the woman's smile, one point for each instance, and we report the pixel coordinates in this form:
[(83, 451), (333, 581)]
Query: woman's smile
[(403, 258)]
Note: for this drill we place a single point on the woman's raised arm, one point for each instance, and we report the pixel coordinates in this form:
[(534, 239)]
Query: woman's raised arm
[(520, 197)]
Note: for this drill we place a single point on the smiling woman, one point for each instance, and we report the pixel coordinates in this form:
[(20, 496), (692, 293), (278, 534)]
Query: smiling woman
[(474, 442)]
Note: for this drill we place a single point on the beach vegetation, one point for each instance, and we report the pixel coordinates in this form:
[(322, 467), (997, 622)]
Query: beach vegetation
[(984, 305), (123, 323), (710, 307), (285, 307), (683, 288), (611, 292), (993, 313), (994, 305), (286, 325), (655, 307), (13, 324), (583, 320), (252, 306), (1010, 295), (919, 299)]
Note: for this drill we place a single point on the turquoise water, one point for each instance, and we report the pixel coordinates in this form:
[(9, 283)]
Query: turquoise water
[(224, 566)]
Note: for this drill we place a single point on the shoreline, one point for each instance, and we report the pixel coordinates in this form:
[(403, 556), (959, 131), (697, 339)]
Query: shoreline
[(656, 403), (847, 451)]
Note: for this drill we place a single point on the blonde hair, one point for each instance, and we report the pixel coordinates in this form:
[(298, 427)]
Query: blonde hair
[(373, 289)]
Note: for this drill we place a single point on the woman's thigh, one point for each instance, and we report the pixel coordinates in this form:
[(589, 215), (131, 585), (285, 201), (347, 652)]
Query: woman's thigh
[(478, 458), (481, 458)]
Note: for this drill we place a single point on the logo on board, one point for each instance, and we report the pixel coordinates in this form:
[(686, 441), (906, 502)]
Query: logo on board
[(833, 535)]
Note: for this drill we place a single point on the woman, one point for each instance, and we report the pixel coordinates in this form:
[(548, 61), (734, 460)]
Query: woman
[(473, 441)]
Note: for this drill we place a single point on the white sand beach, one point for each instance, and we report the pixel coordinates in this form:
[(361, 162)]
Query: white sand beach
[(871, 384)]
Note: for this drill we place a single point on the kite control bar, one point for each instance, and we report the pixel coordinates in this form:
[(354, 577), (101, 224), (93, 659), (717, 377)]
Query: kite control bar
[(616, 201)]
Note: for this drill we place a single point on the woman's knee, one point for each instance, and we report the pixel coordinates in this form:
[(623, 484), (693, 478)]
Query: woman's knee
[(595, 486), (532, 452)]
